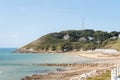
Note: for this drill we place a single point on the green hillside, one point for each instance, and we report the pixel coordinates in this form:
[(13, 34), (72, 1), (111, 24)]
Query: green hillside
[(112, 44), (73, 40)]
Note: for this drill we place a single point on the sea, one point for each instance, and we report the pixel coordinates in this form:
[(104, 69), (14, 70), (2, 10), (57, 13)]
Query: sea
[(15, 66)]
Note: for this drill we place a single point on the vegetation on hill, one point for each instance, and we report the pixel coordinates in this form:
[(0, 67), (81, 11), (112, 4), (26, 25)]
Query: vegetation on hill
[(104, 76), (112, 44), (74, 40)]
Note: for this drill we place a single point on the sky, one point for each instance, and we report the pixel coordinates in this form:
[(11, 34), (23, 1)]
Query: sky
[(23, 21)]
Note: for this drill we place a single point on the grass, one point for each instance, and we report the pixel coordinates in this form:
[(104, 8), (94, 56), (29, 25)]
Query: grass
[(115, 44), (104, 76)]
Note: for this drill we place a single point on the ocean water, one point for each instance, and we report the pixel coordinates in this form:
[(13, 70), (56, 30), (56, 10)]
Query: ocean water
[(14, 66)]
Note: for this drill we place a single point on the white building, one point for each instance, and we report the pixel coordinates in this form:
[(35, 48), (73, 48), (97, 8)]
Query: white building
[(66, 36), (82, 39), (119, 36), (90, 38), (114, 37)]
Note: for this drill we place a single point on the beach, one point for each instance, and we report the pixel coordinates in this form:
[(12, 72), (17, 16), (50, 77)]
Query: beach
[(72, 74), (81, 71)]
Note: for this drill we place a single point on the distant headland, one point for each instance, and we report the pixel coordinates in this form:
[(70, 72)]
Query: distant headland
[(73, 40)]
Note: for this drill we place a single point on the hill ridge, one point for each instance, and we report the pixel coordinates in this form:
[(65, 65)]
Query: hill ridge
[(72, 40)]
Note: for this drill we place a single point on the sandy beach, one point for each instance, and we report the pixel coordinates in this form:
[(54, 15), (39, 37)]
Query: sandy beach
[(96, 54), (81, 71)]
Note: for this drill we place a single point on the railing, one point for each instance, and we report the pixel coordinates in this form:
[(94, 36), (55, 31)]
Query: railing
[(115, 73)]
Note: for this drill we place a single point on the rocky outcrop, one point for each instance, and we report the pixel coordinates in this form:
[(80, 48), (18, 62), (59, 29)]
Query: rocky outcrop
[(23, 50), (78, 72)]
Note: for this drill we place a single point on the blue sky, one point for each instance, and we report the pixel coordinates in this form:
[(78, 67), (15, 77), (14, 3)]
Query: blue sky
[(22, 21)]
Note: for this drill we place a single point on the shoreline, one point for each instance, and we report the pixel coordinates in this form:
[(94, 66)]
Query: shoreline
[(95, 54), (107, 62), (75, 72)]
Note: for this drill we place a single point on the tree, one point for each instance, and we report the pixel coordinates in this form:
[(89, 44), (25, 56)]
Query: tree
[(53, 48)]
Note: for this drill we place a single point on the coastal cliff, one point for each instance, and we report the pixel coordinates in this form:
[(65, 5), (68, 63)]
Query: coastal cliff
[(73, 40)]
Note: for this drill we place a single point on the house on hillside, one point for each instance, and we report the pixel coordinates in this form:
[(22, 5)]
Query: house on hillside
[(82, 39), (114, 37), (90, 38), (66, 37), (65, 50), (119, 36)]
